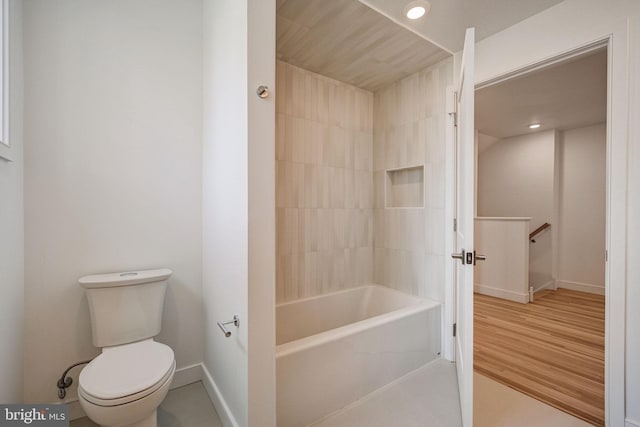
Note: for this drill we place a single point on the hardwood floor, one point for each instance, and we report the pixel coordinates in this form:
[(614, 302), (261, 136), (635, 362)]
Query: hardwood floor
[(551, 349)]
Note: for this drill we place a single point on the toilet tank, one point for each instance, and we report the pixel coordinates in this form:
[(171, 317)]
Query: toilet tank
[(125, 307)]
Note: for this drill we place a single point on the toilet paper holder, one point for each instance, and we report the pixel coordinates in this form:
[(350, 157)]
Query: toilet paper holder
[(225, 331)]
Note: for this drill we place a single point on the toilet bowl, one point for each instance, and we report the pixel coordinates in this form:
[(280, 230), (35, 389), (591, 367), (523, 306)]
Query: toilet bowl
[(125, 384)]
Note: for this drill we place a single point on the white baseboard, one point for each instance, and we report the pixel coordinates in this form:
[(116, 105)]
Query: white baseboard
[(187, 375), (501, 293), (549, 284), (223, 410), (183, 376), (631, 423), (582, 287)]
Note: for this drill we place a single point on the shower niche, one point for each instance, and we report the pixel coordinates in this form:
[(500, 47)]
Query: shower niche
[(404, 187)]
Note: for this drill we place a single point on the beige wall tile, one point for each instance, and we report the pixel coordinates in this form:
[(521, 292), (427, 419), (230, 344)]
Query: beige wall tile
[(294, 97), (280, 136), (333, 230), (280, 184), (427, 100), (409, 119), (310, 97), (378, 189), (311, 281), (364, 151), (314, 139), (337, 105), (281, 86), (350, 194), (379, 139), (322, 101)]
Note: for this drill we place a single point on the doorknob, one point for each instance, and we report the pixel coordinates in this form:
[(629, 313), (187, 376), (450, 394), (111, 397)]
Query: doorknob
[(459, 256), (468, 257)]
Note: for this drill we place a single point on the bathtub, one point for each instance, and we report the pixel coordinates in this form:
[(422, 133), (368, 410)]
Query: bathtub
[(333, 349)]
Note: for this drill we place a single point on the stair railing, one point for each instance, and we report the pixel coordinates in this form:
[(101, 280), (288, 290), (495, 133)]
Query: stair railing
[(537, 231)]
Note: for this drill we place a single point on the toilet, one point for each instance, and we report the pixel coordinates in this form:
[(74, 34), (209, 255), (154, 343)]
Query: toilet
[(125, 384)]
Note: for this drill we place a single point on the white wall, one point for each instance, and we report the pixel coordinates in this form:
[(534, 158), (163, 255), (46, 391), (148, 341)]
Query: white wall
[(515, 179), (505, 272), (113, 132), (633, 241), (225, 204), (12, 229), (239, 209), (485, 142), (581, 227), (548, 34)]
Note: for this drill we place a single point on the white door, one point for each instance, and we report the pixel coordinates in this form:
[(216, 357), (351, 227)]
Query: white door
[(464, 257)]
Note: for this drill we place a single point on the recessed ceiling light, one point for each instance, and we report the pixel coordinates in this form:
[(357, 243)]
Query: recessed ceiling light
[(416, 12), (534, 126), (417, 9)]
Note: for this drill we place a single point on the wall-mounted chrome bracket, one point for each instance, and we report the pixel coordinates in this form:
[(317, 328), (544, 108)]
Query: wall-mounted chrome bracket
[(225, 331), (263, 91)]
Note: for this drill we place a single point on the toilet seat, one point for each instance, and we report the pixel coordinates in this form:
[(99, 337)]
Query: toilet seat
[(126, 373)]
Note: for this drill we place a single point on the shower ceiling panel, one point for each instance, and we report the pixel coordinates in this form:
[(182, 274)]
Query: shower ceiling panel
[(348, 41)]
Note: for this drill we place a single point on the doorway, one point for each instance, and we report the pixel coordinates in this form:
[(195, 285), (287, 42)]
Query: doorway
[(541, 220)]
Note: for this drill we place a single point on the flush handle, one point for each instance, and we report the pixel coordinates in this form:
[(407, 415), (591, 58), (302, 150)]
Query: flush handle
[(225, 331)]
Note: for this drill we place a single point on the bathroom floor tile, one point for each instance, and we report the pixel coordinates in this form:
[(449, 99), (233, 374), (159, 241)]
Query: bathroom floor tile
[(425, 397), (187, 406), (429, 397)]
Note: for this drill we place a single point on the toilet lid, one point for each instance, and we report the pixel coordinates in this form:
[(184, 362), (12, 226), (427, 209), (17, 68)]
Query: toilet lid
[(126, 369)]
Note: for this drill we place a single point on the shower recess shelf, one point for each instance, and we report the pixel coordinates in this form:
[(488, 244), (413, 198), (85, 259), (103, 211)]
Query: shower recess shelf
[(404, 187)]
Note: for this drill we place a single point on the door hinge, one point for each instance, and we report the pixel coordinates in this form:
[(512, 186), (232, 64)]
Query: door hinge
[(455, 224), (606, 256), (454, 113), (454, 116), (454, 329)]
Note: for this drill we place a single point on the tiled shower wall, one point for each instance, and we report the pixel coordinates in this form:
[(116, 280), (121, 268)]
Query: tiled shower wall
[(409, 130), (324, 138), (334, 145)]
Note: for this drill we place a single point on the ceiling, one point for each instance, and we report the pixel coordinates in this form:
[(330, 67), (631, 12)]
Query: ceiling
[(370, 43), (447, 20), (350, 42), (567, 95)]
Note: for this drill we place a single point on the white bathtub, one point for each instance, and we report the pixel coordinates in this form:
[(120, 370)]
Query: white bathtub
[(335, 348)]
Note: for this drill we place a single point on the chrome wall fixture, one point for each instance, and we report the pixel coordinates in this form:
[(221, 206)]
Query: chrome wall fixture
[(263, 91), (225, 331)]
